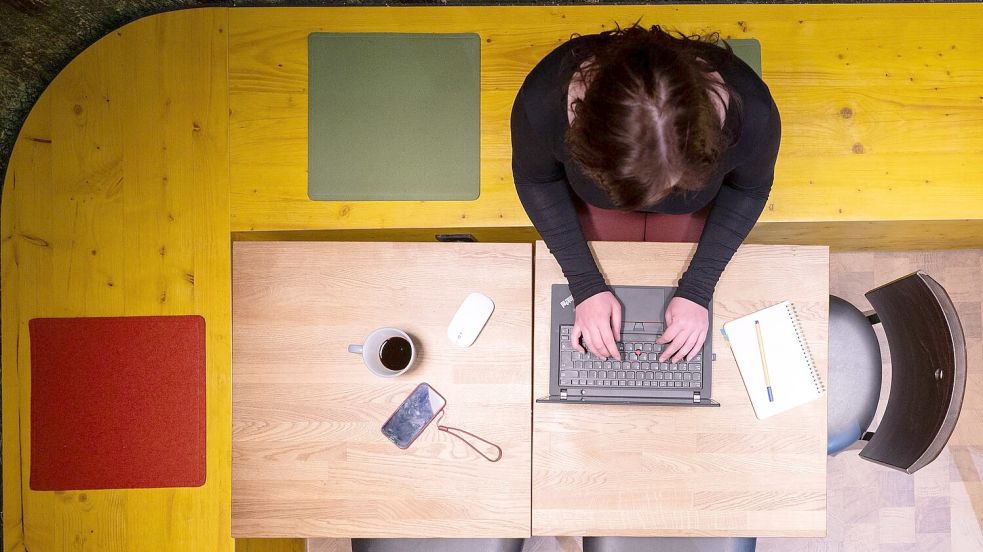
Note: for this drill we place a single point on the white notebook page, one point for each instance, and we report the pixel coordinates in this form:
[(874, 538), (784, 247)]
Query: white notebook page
[(794, 380)]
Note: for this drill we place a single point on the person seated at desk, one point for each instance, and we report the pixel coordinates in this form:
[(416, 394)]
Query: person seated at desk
[(635, 121)]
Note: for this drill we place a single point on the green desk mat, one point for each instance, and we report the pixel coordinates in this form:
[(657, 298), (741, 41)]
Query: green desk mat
[(393, 116), (749, 50), (396, 116)]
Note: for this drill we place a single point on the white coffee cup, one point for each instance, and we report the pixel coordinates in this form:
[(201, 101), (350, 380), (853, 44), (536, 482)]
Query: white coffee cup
[(387, 352)]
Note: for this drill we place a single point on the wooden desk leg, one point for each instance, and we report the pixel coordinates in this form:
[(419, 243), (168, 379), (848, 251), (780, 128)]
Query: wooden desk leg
[(329, 545)]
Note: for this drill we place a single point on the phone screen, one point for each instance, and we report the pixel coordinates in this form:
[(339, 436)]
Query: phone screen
[(413, 416)]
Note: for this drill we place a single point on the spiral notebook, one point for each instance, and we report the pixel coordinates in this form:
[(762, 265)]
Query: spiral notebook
[(794, 379)]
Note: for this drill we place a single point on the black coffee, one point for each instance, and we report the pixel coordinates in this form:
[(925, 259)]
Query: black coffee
[(395, 353)]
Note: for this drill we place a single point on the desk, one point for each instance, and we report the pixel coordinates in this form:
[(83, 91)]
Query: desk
[(673, 471), (308, 458), (118, 198)]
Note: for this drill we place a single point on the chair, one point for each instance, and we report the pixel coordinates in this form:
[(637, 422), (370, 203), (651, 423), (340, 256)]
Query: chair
[(668, 544), (928, 379), (437, 545), (928, 373)]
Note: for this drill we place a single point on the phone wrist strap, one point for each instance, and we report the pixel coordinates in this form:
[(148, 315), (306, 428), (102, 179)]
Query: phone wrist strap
[(456, 432)]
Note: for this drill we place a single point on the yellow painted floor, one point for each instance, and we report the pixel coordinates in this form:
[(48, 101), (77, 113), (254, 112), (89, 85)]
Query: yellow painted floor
[(150, 149)]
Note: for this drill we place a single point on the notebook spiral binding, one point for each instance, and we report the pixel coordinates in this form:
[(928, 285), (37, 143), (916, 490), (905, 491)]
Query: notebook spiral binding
[(805, 348)]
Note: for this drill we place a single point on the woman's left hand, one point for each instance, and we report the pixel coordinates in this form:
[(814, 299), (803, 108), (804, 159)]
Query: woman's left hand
[(686, 330)]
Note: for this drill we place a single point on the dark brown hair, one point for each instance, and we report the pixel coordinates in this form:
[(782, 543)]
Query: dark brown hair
[(646, 125)]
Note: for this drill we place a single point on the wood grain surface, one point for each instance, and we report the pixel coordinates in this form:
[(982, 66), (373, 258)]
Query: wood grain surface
[(876, 99), (309, 459), (883, 235), (277, 545), (116, 203), (117, 197), (329, 545), (679, 471)]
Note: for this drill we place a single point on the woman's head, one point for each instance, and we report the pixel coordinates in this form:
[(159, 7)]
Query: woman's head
[(648, 124)]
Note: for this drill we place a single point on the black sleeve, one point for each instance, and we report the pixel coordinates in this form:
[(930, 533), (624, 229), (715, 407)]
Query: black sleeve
[(541, 183), (736, 208)]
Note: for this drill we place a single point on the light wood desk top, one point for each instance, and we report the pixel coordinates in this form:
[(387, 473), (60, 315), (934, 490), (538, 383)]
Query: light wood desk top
[(309, 459), (677, 471)]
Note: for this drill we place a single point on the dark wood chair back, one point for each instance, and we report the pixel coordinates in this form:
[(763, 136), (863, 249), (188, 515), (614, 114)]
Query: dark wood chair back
[(928, 372)]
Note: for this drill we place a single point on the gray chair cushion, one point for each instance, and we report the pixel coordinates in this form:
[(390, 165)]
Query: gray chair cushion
[(854, 375), (437, 545), (668, 544)]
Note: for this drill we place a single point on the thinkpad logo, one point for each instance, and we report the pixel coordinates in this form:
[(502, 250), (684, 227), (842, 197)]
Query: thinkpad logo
[(566, 302)]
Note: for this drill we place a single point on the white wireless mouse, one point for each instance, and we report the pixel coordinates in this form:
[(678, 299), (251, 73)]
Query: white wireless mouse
[(470, 319)]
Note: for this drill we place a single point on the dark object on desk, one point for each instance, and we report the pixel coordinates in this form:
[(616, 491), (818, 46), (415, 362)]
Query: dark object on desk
[(455, 238), (669, 544), (396, 353), (117, 402), (393, 116), (928, 373), (437, 545), (637, 377), (413, 415)]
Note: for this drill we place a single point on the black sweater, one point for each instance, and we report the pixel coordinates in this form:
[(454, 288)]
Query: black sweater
[(545, 174)]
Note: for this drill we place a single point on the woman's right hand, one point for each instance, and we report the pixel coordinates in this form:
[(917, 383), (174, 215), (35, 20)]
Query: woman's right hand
[(598, 320)]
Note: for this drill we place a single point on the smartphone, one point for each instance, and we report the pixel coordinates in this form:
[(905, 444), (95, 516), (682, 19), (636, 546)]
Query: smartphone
[(413, 416)]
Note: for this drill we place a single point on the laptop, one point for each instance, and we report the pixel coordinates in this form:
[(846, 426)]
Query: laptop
[(637, 377)]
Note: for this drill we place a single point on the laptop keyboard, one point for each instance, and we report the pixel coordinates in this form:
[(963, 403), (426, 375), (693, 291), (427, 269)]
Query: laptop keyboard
[(639, 365)]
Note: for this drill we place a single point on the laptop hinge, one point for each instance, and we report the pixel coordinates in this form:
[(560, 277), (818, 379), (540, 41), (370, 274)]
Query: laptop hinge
[(696, 397), (563, 394)]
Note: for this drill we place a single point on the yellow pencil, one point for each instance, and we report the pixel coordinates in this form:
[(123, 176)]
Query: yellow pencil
[(764, 361)]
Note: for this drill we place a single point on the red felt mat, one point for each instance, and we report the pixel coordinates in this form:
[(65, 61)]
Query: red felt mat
[(117, 402)]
